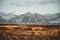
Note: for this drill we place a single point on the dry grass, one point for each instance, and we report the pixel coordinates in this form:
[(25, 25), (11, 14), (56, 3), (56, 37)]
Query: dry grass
[(29, 32)]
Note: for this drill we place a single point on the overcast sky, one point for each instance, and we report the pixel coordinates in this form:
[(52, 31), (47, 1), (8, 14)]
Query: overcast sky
[(23, 6)]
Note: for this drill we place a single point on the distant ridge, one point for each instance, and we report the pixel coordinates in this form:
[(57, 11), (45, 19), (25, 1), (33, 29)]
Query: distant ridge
[(30, 18), (2, 21)]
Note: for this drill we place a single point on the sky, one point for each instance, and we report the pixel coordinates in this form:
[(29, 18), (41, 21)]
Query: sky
[(24, 6)]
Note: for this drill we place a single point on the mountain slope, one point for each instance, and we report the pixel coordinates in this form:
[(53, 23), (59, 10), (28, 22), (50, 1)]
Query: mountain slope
[(29, 18), (7, 16), (52, 17), (2, 21)]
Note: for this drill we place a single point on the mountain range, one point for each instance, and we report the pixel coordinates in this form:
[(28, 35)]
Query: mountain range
[(30, 18)]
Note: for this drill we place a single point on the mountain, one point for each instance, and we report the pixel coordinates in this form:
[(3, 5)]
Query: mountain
[(52, 17), (7, 16), (2, 21), (29, 18)]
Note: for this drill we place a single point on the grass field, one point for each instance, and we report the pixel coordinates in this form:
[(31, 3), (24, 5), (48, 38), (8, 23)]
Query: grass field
[(29, 32)]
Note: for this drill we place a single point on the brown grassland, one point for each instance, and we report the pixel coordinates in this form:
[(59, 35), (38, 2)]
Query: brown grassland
[(29, 32)]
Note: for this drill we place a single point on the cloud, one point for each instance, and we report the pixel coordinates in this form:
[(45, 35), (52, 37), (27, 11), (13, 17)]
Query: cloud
[(32, 3), (47, 2), (1, 0), (1, 3), (18, 5), (12, 3), (21, 4), (25, 3)]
